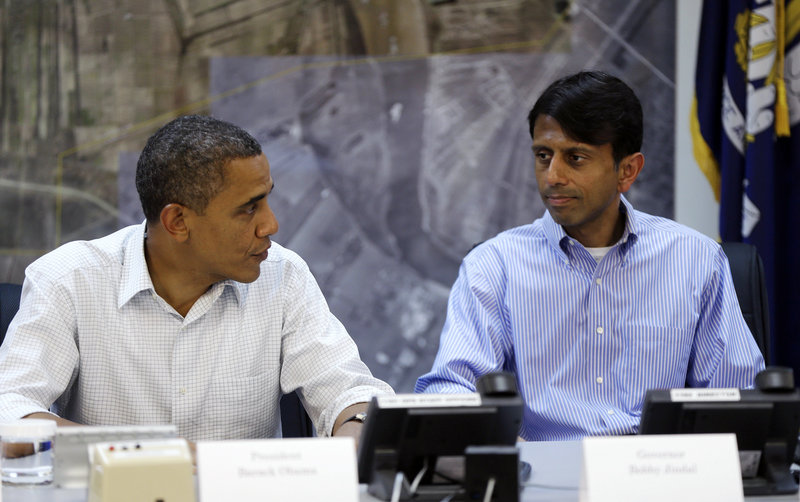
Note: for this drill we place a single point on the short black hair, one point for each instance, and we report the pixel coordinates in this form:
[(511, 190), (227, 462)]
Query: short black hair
[(184, 162), (596, 108)]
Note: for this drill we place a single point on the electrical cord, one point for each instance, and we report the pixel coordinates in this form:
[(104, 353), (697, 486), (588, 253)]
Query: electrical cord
[(489, 490), (398, 486), (549, 487), (418, 477)]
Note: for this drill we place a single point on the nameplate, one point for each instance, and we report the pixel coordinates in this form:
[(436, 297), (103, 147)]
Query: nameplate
[(661, 468), (703, 394), (277, 469), (429, 400)]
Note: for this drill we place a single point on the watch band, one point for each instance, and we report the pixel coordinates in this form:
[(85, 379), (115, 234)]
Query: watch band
[(359, 417)]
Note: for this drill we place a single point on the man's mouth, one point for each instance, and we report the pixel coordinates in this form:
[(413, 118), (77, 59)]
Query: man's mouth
[(263, 254), (558, 199)]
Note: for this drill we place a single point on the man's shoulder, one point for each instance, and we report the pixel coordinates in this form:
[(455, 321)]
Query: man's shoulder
[(103, 252), (281, 255), (508, 244), (658, 229), (282, 260), (516, 236)]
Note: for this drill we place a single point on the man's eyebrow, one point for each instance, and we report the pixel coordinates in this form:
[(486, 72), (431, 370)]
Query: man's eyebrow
[(568, 150), (579, 149), (258, 197), (253, 200)]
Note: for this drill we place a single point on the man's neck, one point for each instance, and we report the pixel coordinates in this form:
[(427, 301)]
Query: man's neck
[(171, 279), (601, 237)]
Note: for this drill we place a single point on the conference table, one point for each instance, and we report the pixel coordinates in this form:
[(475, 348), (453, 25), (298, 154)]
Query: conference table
[(555, 477)]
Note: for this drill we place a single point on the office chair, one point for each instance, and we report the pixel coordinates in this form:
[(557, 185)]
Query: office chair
[(295, 422), (747, 270), (9, 303)]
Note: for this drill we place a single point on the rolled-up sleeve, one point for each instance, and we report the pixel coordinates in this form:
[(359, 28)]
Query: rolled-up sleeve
[(474, 340), (725, 353), (39, 356), (320, 359)]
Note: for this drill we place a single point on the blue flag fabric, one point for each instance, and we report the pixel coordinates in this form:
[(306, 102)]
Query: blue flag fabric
[(787, 258), (746, 136)]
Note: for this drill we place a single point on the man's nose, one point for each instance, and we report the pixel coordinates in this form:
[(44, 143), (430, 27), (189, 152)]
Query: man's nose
[(555, 174), (268, 224)]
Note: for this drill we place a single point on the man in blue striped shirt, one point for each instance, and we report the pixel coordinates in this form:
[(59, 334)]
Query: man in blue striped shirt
[(593, 303)]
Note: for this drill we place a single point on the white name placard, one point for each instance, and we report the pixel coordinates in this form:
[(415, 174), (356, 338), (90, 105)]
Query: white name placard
[(661, 468), (277, 469), (429, 400), (703, 394)]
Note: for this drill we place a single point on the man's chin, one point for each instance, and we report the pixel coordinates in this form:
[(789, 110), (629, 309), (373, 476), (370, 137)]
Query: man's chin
[(560, 216), (252, 278), (247, 277)]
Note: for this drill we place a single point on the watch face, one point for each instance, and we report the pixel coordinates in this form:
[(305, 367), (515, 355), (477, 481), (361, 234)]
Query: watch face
[(358, 417)]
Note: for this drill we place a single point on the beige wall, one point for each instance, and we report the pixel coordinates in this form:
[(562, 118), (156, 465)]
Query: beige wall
[(695, 205)]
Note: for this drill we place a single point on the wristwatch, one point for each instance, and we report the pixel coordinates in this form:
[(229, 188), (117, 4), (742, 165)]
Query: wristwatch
[(359, 417)]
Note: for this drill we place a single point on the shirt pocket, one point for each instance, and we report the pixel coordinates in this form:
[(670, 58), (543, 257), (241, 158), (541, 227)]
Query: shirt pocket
[(244, 407), (653, 357)]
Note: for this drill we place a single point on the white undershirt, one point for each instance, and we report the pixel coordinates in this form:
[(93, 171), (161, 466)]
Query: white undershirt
[(598, 253)]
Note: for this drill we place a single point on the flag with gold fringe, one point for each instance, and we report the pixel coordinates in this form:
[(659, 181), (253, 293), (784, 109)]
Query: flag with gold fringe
[(745, 124)]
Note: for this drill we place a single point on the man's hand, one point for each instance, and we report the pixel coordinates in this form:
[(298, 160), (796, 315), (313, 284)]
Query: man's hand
[(16, 450), (193, 451)]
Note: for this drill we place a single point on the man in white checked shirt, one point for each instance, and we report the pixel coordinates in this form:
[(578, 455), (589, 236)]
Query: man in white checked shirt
[(595, 302), (194, 318)]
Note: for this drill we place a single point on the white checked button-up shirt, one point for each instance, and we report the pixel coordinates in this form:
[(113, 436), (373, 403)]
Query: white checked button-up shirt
[(94, 340)]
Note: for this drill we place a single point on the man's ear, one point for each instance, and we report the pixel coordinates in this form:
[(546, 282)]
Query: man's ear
[(629, 169), (173, 219)]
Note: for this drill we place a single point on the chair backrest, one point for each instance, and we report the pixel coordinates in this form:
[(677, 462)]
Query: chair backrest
[(295, 422), (9, 304), (747, 270)]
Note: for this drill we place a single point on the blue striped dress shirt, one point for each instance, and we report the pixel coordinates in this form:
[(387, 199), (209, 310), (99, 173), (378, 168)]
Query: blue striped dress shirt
[(587, 339)]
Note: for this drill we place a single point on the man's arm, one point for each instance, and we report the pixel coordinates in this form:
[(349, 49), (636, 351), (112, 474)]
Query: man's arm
[(321, 360), (39, 354), (473, 341), (351, 428), (725, 353), (49, 416)]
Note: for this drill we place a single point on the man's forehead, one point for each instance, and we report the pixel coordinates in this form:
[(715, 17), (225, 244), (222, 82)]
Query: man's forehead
[(547, 132), (563, 142), (246, 175)]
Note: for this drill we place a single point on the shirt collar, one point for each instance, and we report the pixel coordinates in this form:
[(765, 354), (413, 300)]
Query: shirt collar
[(136, 276), (558, 238), (631, 233)]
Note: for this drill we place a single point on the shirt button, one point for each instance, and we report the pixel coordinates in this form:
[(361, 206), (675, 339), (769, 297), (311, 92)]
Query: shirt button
[(599, 379), (610, 412), (599, 330), (182, 390), (598, 281), (571, 242)]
